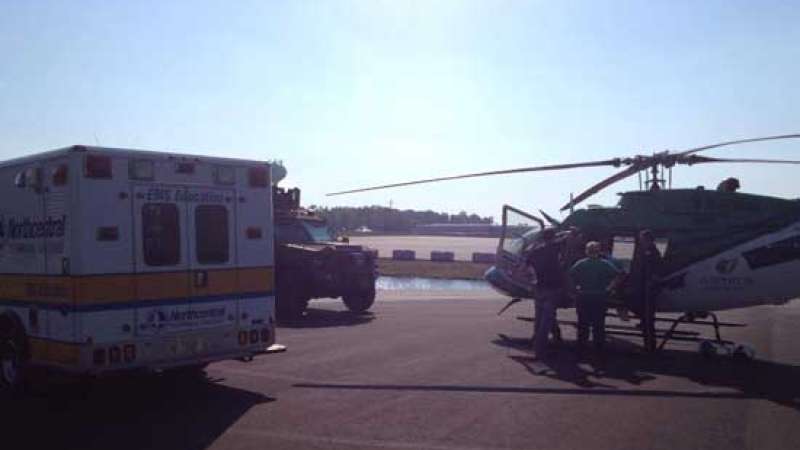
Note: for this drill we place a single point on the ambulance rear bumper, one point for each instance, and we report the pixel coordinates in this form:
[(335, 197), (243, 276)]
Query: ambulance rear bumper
[(165, 352)]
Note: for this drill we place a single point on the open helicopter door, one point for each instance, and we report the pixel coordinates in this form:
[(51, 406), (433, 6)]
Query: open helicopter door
[(518, 233)]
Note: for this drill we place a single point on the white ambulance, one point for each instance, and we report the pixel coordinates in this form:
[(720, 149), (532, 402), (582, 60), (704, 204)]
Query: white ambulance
[(114, 259)]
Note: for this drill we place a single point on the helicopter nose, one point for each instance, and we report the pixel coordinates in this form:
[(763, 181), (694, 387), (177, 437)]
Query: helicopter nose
[(502, 283)]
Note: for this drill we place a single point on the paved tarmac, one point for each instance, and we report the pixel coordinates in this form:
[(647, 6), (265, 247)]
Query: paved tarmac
[(432, 373)]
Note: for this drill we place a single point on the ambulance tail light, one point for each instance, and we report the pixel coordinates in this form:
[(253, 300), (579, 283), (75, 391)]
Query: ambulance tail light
[(253, 336), (243, 337), (97, 166)]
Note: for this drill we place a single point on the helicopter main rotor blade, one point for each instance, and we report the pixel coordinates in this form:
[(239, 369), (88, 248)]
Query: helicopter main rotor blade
[(632, 170), (739, 141), (697, 159), (608, 162)]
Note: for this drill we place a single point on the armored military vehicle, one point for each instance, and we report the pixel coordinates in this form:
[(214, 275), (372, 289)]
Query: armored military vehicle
[(311, 263)]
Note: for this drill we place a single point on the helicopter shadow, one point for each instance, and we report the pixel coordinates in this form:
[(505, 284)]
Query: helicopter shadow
[(624, 363), (125, 412), (324, 318)]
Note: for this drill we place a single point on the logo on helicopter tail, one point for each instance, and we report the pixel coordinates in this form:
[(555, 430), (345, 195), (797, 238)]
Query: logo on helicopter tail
[(726, 266)]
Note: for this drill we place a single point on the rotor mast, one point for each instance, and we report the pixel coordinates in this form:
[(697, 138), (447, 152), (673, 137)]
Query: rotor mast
[(653, 179)]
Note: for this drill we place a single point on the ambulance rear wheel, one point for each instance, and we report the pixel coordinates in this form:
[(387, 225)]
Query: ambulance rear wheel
[(12, 357), (359, 302)]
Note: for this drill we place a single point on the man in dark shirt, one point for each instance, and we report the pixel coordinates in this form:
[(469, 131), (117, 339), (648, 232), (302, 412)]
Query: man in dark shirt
[(645, 267), (549, 281)]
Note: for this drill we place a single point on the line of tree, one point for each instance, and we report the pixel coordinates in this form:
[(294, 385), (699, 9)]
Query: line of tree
[(388, 220)]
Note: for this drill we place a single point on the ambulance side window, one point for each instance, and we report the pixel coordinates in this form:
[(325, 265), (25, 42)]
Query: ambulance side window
[(161, 234), (211, 237)]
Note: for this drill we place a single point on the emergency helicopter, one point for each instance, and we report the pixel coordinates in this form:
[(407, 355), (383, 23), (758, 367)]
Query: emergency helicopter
[(721, 249)]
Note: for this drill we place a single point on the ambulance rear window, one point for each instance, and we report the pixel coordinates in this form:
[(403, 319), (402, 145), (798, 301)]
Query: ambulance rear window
[(161, 234), (211, 226)]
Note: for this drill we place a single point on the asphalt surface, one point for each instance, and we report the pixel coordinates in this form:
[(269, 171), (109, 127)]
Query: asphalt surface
[(429, 371)]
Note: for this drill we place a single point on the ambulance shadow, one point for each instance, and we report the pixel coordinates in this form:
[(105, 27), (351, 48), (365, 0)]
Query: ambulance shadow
[(323, 318), (624, 361), (130, 412)]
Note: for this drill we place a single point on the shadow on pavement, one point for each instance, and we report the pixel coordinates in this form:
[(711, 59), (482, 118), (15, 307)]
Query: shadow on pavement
[(625, 362), (322, 318), (522, 390), (736, 380), (125, 412)]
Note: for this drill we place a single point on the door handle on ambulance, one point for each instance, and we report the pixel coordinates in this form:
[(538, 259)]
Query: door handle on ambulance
[(200, 278)]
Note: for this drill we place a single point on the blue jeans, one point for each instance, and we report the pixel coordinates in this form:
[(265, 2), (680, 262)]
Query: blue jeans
[(546, 303)]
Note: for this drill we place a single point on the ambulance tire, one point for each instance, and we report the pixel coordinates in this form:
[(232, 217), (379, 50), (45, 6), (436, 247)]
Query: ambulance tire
[(360, 302), (12, 356)]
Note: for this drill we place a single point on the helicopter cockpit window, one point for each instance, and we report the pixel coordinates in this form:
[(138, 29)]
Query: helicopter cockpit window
[(519, 231)]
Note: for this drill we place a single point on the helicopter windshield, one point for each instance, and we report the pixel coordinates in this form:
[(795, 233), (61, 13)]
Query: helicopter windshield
[(519, 230)]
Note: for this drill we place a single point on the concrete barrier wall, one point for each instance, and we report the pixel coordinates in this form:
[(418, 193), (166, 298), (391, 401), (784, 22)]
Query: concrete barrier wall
[(442, 256), (483, 258), (404, 255)]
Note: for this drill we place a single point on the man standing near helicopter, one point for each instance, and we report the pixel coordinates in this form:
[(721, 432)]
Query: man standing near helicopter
[(592, 279), (545, 260), (645, 267)]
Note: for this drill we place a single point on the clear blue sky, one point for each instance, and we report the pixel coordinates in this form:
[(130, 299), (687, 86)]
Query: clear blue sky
[(358, 93)]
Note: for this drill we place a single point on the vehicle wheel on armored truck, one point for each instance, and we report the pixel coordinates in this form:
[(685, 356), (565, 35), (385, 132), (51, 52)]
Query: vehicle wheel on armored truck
[(360, 301)]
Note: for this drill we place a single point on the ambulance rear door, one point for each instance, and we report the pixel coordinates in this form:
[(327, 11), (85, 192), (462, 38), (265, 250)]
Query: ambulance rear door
[(213, 277), (161, 258)]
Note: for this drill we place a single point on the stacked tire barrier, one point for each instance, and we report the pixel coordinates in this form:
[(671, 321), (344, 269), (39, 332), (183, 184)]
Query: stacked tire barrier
[(443, 256), (404, 255)]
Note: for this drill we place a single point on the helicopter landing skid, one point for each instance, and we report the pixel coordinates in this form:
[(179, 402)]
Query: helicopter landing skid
[(508, 305), (692, 319)]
